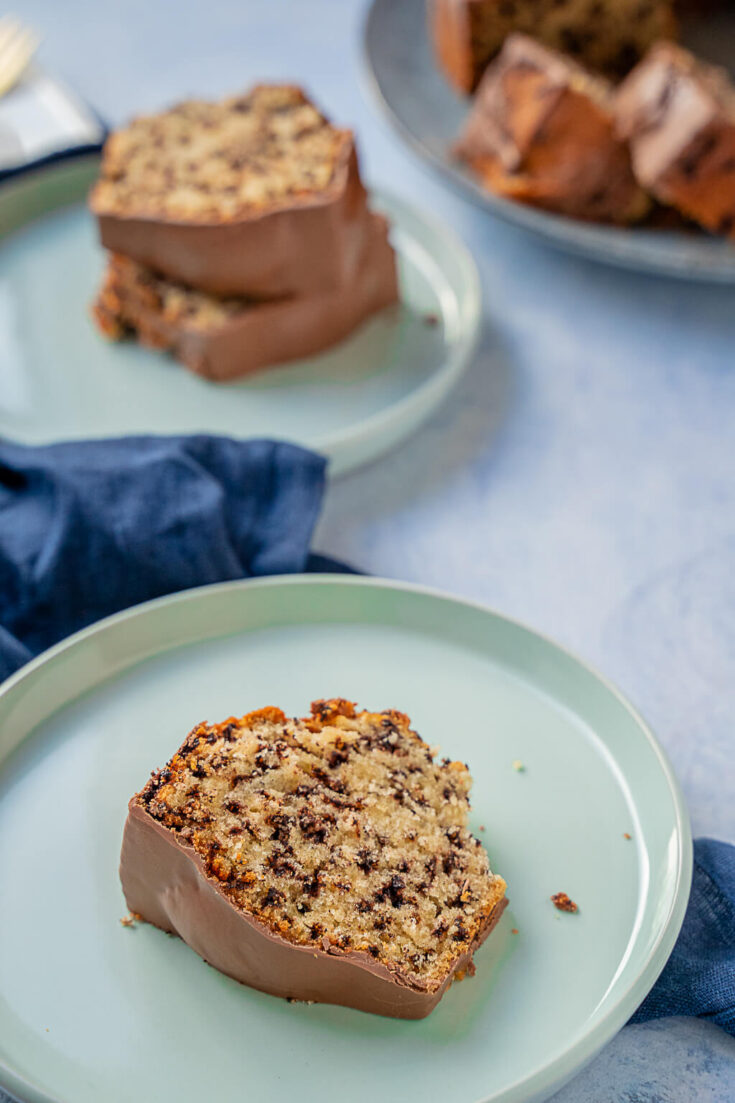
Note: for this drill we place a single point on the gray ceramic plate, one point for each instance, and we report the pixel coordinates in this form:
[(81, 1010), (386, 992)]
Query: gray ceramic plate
[(92, 1012), (429, 115), (59, 379)]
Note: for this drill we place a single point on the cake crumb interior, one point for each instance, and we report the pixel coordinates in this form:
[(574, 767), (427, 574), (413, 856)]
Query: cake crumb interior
[(338, 830), (215, 162)]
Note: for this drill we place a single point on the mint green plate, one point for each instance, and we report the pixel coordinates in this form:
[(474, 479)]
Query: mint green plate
[(91, 1011), (59, 379)]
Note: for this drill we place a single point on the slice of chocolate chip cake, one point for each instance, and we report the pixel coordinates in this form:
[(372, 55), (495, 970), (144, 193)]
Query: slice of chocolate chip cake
[(257, 195), (322, 859)]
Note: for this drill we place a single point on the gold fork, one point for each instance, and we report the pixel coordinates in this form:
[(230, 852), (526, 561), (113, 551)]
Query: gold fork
[(18, 44)]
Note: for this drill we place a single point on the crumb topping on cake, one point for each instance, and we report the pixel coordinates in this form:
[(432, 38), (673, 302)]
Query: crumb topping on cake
[(339, 830), (214, 162)]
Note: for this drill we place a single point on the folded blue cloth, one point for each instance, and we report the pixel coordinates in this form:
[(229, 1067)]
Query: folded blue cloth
[(699, 977), (92, 527)]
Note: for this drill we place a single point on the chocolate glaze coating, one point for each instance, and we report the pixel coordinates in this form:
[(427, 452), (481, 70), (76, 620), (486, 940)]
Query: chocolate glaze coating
[(165, 881), (305, 247), (276, 332)]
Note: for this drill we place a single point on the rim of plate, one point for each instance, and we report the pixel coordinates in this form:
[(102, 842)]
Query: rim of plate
[(604, 244), (466, 342), (348, 448), (586, 1045)]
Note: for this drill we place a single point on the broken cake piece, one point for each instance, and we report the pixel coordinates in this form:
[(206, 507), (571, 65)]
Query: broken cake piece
[(678, 113), (541, 131), (323, 859)]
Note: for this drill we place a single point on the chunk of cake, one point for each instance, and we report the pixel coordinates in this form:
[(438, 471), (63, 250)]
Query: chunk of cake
[(678, 113), (607, 35), (224, 339), (323, 859), (541, 131), (256, 196)]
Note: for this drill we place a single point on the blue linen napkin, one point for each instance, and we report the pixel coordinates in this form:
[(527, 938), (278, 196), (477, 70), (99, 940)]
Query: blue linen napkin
[(699, 977), (92, 527)]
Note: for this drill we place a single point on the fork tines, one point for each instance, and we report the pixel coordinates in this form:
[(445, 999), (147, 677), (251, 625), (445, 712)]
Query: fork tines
[(17, 46)]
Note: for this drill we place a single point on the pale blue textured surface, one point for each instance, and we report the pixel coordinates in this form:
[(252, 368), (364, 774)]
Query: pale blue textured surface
[(581, 478)]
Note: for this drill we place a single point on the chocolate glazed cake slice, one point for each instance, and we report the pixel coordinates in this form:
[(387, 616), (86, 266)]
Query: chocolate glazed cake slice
[(256, 196), (323, 859)]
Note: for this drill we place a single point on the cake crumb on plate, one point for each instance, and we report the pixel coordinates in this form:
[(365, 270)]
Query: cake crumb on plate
[(563, 903)]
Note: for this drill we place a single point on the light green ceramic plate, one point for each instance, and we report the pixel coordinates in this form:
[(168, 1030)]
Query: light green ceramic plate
[(91, 1011), (59, 379)]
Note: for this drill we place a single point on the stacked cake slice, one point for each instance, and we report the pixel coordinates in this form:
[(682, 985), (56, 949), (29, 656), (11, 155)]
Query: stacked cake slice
[(239, 232)]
